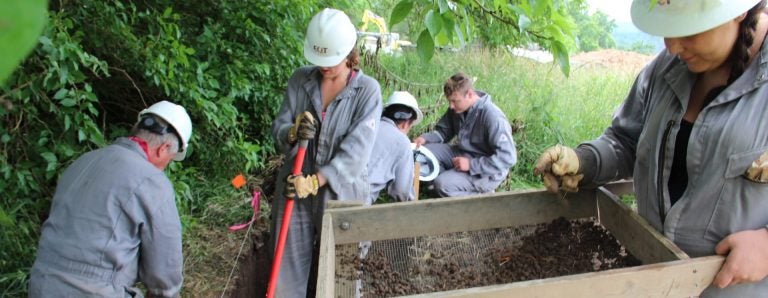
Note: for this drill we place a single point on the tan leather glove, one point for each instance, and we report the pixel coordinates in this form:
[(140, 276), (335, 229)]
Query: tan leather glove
[(301, 186), (303, 128), (560, 167), (758, 171)]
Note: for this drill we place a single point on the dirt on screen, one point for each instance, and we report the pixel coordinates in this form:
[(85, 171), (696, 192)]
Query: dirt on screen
[(558, 248)]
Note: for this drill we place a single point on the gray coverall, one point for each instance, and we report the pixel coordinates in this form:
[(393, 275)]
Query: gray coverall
[(113, 222), (339, 151), (484, 136), (728, 135), (391, 164)]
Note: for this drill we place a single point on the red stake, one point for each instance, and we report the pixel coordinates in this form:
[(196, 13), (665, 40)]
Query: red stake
[(297, 164)]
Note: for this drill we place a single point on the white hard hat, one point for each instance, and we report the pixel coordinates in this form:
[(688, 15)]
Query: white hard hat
[(330, 38), (405, 98), (177, 117), (679, 18), (429, 168)]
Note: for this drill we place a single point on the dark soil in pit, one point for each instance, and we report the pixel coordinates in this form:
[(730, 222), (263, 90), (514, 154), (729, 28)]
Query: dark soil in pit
[(558, 248)]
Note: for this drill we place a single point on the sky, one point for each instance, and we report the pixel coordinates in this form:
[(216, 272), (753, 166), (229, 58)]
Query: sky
[(618, 9)]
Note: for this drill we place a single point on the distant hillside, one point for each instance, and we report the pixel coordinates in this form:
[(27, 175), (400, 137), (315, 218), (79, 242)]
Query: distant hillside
[(628, 37)]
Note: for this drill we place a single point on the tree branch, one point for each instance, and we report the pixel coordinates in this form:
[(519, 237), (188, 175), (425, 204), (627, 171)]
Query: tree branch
[(504, 20)]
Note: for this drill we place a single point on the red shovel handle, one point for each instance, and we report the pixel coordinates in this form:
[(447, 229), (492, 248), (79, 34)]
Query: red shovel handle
[(297, 164)]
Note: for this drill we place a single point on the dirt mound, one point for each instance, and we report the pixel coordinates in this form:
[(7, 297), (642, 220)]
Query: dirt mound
[(611, 58)]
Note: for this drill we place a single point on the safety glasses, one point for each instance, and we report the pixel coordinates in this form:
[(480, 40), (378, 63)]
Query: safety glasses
[(151, 124)]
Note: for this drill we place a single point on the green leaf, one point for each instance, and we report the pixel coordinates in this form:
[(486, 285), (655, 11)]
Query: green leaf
[(425, 46), (60, 94), (20, 24), (51, 159), (67, 122), (523, 22), (444, 6), (68, 102), (5, 219), (449, 25), (400, 11), (434, 22), (561, 56)]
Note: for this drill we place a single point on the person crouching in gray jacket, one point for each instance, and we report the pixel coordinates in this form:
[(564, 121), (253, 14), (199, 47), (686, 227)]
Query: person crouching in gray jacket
[(484, 152), (391, 164), (114, 221)]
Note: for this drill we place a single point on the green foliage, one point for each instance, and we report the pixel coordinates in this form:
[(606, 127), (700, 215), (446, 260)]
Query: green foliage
[(51, 117), (494, 23), (99, 63), (20, 24), (641, 47), (593, 30)]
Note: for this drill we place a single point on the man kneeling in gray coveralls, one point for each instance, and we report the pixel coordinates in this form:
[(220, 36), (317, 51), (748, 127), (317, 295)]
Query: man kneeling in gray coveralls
[(114, 221), (484, 151)]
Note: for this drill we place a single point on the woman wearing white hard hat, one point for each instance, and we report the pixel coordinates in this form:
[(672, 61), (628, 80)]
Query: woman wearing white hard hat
[(693, 133), (337, 108), (391, 164)]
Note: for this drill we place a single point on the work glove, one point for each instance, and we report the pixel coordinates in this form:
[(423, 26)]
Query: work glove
[(758, 171), (303, 128), (301, 186), (560, 167)]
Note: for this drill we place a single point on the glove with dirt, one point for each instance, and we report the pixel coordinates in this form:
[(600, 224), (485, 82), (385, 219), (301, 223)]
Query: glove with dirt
[(758, 171), (303, 128), (301, 186), (559, 166)]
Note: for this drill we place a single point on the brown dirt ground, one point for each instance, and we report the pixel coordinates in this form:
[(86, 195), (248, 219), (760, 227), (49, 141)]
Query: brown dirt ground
[(612, 59), (211, 252)]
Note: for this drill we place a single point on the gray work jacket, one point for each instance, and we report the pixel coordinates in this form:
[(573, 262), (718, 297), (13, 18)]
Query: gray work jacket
[(484, 134), (391, 164), (728, 135), (113, 222), (343, 144)]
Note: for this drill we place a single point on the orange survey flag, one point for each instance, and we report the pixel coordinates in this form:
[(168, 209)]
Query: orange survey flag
[(238, 181)]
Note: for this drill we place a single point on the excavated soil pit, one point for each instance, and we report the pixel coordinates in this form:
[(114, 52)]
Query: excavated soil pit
[(478, 258)]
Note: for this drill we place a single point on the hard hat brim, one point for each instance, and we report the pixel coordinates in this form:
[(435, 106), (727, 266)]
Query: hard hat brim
[(180, 155), (680, 19), (432, 162)]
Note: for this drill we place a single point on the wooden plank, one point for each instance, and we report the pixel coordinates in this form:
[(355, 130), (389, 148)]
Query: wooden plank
[(682, 278), (336, 204), (642, 240), (439, 216), (416, 181), (326, 264)]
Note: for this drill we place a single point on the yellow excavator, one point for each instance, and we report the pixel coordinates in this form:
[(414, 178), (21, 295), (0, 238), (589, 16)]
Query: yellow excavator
[(383, 40)]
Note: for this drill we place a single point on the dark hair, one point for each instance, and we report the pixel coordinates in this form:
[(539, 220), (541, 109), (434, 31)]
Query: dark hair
[(740, 54), (353, 59), (399, 113), (457, 82)]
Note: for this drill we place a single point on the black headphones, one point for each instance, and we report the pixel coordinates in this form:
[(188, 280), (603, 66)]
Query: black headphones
[(151, 124)]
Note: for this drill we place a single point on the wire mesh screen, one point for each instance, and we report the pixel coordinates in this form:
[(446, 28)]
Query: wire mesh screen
[(461, 260)]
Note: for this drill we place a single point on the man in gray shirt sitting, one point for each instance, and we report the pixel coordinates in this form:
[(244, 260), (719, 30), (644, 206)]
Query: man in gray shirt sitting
[(484, 150)]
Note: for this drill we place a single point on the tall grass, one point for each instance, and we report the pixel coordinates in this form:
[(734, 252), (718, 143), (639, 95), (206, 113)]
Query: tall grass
[(549, 107)]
